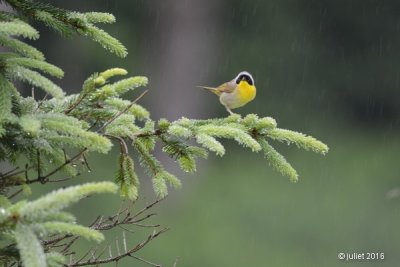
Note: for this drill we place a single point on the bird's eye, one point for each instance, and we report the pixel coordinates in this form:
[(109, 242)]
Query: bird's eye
[(246, 78), (249, 80)]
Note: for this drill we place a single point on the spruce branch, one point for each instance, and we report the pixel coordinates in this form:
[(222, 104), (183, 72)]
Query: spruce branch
[(56, 227), (123, 218), (104, 39), (59, 199), (62, 21), (301, 140), (18, 28), (128, 253), (29, 221), (278, 161), (30, 249), (58, 132), (52, 22), (35, 79), (7, 16), (36, 64), (6, 92), (21, 47)]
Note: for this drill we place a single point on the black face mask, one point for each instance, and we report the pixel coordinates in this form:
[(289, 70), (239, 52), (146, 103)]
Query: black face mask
[(244, 77)]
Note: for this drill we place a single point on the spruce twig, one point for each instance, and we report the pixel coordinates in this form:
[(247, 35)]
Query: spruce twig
[(110, 223), (129, 253), (122, 111)]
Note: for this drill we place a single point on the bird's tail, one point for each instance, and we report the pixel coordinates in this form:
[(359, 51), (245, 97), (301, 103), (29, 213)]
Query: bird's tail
[(211, 89)]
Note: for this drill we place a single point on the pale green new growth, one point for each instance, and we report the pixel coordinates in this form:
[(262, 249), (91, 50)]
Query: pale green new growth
[(171, 179), (123, 126), (42, 218), (123, 86), (278, 161), (21, 47), (127, 178), (120, 87), (35, 79), (155, 169), (60, 199), (160, 185), (99, 17), (5, 98), (301, 140), (187, 163), (37, 64), (61, 128), (180, 131), (113, 72), (18, 28), (68, 228), (105, 40), (30, 124), (29, 246), (241, 137), (58, 217), (265, 124), (211, 144), (53, 23), (139, 112)]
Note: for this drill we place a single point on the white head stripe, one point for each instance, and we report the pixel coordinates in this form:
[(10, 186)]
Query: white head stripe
[(244, 73)]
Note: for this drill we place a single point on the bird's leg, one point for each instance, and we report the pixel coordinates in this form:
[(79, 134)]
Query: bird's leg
[(229, 110)]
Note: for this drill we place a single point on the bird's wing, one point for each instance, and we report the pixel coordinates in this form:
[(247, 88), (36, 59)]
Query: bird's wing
[(225, 88)]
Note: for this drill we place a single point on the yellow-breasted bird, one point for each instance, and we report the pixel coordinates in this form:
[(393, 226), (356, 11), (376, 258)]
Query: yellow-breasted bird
[(235, 93)]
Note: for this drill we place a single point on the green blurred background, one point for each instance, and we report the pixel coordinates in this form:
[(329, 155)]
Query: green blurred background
[(327, 68)]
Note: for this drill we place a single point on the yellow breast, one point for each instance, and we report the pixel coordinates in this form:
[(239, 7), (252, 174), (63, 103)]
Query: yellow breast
[(247, 92)]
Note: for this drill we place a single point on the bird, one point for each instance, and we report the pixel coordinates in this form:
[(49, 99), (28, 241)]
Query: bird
[(235, 93)]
